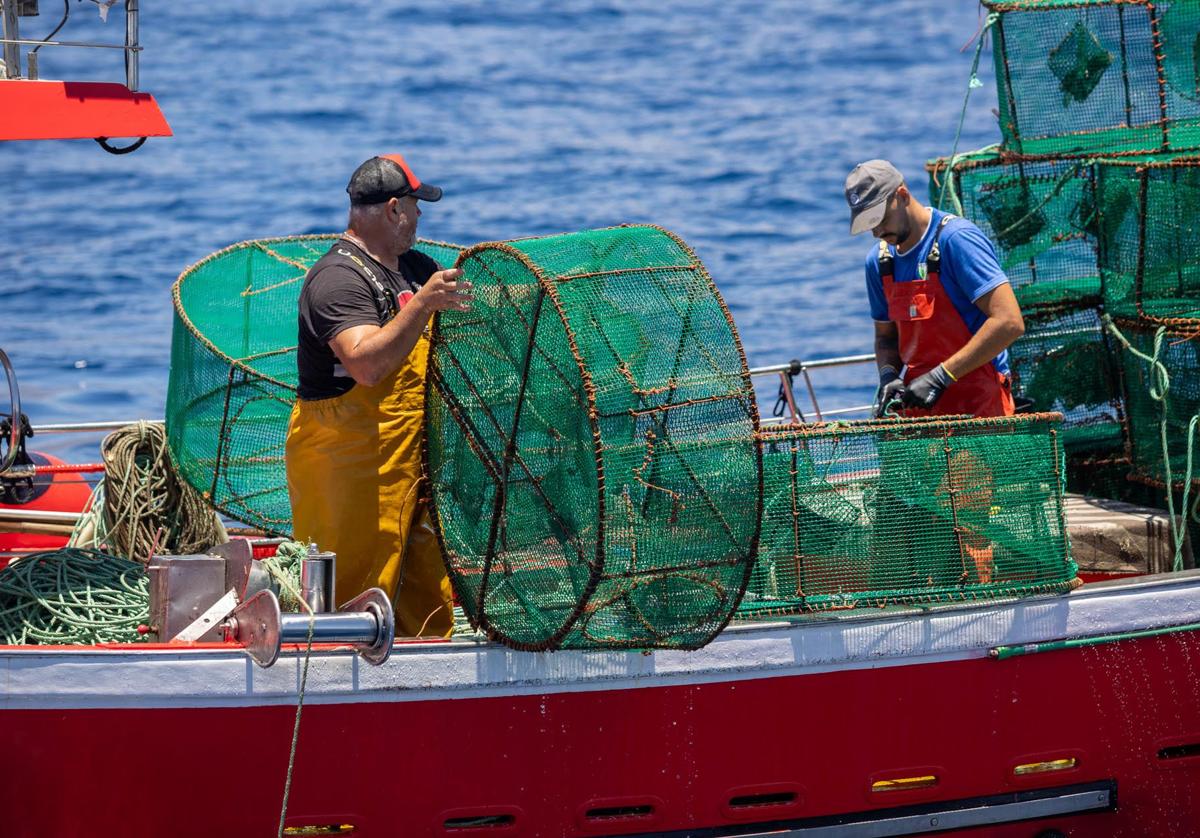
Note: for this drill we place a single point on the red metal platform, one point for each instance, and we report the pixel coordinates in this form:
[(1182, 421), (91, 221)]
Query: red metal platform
[(68, 110)]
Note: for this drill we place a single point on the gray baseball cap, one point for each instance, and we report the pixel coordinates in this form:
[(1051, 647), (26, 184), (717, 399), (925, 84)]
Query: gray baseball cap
[(868, 188)]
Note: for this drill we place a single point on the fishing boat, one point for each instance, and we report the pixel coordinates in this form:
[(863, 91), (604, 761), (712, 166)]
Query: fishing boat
[(1072, 714)]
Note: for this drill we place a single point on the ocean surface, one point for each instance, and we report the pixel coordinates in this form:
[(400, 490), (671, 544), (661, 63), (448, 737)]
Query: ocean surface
[(732, 123)]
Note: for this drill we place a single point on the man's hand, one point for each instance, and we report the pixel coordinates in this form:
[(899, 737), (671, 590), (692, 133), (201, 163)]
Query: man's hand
[(891, 388), (444, 292), (928, 388)]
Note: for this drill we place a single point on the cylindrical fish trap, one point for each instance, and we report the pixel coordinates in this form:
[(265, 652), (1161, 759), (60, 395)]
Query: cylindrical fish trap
[(233, 372), (590, 444)]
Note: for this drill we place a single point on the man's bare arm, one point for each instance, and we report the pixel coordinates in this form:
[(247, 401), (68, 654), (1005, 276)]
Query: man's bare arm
[(1004, 325), (887, 345)]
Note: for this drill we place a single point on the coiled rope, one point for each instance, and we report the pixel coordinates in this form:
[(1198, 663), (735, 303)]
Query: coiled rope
[(143, 507), (72, 597)]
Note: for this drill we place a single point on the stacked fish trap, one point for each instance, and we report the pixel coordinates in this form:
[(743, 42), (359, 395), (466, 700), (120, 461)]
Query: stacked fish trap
[(233, 372), (910, 511), (591, 443), (1092, 200)]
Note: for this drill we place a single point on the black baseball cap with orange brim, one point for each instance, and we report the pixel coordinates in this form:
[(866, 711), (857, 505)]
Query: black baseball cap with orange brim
[(388, 176)]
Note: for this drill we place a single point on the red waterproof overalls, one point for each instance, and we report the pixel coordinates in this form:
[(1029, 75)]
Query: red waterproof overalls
[(931, 330)]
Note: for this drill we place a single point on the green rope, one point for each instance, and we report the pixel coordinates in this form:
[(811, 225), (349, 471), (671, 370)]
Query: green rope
[(73, 597), (1006, 652), (284, 568), (973, 83), (1160, 388)]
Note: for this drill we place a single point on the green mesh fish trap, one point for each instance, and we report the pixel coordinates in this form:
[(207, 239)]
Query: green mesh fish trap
[(1148, 256), (1047, 219), (1041, 216), (910, 511), (590, 444), (1107, 76), (1149, 403), (1065, 364), (233, 372)]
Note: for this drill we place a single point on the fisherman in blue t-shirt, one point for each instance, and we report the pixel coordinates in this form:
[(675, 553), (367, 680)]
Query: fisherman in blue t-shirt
[(944, 311)]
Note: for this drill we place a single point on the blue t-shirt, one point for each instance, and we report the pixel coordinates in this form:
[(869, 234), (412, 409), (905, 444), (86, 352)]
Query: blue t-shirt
[(969, 270)]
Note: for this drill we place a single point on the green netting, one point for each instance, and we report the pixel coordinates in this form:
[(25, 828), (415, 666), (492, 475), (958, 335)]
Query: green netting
[(1046, 218), (1149, 260), (1179, 355), (903, 511), (1065, 365), (590, 443), (1040, 215), (1074, 232), (1108, 76), (233, 372)]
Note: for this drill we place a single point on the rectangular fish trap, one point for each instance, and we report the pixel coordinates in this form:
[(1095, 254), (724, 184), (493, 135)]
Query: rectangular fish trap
[(1040, 215), (1110, 76), (1066, 364), (910, 511), (1150, 220), (1046, 219)]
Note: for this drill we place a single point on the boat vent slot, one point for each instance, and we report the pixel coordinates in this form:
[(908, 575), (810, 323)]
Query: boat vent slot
[(602, 813), (480, 822), (1192, 749), (747, 801)]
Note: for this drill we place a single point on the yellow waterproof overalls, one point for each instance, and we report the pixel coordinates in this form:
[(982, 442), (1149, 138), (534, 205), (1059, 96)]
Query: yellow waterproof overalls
[(354, 475)]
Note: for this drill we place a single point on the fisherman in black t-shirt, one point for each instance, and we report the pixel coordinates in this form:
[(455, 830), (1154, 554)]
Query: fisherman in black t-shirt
[(354, 442)]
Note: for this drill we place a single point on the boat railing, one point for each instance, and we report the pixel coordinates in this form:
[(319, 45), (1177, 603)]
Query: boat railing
[(12, 10), (784, 373), (787, 410)]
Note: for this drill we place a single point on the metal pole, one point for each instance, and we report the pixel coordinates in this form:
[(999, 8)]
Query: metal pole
[(131, 42), (14, 398), (847, 360), (90, 427), (12, 52), (338, 627)]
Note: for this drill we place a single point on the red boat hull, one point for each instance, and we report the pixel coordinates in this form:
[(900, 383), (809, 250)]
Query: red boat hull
[(638, 755)]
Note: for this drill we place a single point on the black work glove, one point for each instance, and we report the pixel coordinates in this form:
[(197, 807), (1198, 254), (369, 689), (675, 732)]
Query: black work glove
[(891, 388), (925, 390)]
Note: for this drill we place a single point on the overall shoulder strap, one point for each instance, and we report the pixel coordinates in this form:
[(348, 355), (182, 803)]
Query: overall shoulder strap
[(934, 259), (887, 264), (385, 300)]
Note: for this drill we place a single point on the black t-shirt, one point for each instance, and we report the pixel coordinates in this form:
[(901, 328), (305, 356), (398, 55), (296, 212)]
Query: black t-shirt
[(347, 287)]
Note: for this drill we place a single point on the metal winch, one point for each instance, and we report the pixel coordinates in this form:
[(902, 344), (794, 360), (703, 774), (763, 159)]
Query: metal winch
[(229, 595)]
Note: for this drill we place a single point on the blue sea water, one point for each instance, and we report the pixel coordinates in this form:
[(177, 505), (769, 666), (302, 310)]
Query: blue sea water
[(730, 122)]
